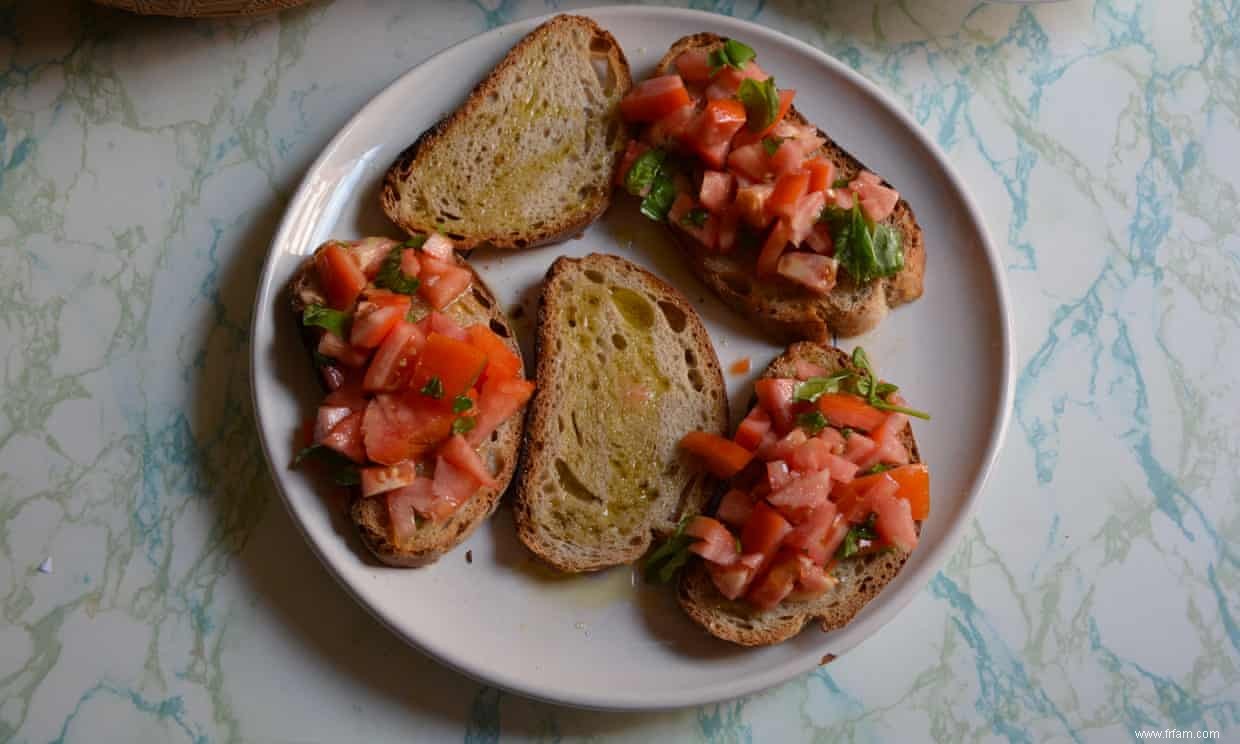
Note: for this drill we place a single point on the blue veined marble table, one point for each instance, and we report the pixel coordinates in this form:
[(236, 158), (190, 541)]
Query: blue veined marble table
[(154, 589)]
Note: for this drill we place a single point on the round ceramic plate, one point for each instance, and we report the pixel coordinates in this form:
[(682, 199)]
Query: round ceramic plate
[(594, 640)]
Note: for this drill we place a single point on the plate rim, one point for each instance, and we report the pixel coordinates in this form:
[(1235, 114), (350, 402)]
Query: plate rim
[(917, 577)]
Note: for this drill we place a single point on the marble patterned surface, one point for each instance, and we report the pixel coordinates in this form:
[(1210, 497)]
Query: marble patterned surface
[(152, 587)]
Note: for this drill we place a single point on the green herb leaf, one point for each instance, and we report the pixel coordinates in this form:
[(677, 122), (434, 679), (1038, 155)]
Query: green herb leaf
[(344, 471), (879, 468), (840, 183), (417, 241), (771, 145), (659, 201), (733, 53), (310, 451), (464, 425), (761, 101), (462, 403), (663, 563), (886, 388), (883, 405), (856, 534), (812, 422), (641, 176), (815, 387), (695, 217), (862, 360), (433, 388), (347, 476), (331, 320), (847, 432), (391, 277), (866, 251)]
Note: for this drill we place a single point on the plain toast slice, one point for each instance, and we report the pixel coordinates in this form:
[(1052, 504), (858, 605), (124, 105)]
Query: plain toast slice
[(785, 310), (861, 578), (625, 369), (529, 157), (370, 515)]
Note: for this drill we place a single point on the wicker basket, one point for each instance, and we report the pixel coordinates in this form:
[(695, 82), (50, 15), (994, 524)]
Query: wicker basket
[(201, 8)]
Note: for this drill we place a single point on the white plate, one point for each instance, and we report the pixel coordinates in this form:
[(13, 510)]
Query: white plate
[(608, 641)]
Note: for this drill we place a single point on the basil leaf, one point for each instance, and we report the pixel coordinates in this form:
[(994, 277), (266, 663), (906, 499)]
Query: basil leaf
[(659, 200), (866, 251), (886, 388), (840, 183), (814, 388), (308, 452), (888, 250), (695, 217), (347, 476), (663, 563), (852, 541), (883, 405), (761, 101), (879, 468), (462, 403), (326, 318), (391, 276), (812, 422), (771, 145), (464, 425), (433, 388), (416, 241), (862, 360), (733, 53), (641, 176), (344, 471)]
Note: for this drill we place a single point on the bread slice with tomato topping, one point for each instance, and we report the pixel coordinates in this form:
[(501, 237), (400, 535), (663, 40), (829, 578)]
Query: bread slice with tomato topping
[(471, 309), (625, 370), (784, 304), (528, 158), (856, 580)]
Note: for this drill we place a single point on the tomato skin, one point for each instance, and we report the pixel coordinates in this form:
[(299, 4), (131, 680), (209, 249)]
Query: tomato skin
[(912, 485), (651, 100), (722, 457), (712, 135), (372, 322), (895, 519), (844, 410), (775, 395), (789, 188), (735, 508), (402, 503), (341, 277), (890, 449), (403, 427), (813, 530), (821, 552), (392, 364), (774, 247), (731, 581), (671, 129), (456, 364), (716, 191), (803, 494), (764, 531), (715, 543), (346, 438), (443, 281), (809, 270), (805, 215), (382, 479), (694, 66), (751, 430), (750, 161), (877, 202), (502, 362), (751, 204), (787, 158), (820, 173), (461, 454), (499, 400), (769, 590)]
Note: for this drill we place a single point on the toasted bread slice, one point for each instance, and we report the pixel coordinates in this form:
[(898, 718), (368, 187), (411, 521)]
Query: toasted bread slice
[(783, 309), (861, 578), (625, 369), (529, 157), (370, 515)]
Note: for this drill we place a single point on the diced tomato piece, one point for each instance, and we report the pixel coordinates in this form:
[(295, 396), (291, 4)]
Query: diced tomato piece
[(740, 366), (409, 264), (341, 277), (784, 448), (717, 91), (331, 345), (810, 270), (788, 158), (751, 204), (673, 128), (813, 530), (895, 520), (735, 507), (462, 454), (716, 191), (632, 152), (769, 590), (857, 447), (443, 282), (764, 531), (820, 552), (444, 325), (729, 222), (774, 247), (715, 543), (750, 161), (327, 418), (813, 580), (731, 78), (502, 362), (439, 246), (394, 361), (718, 122), (386, 298), (805, 215), (452, 485), (372, 322), (655, 98), (369, 253), (811, 456), (866, 177), (842, 409), (803, 494), (694, 66), (788, 189), (843, 198), (420, 496), (877, 202), (914, 482), (819, 240), (731, 581), (834, 440), (749, 136), (751, 430), (402, 427), (722, 457), (707, 235), (403, 504), (346, 438), (379, 480), (820, 173), (456, 364), (889, 448), (500, 399), (777, 474), (775, 395)]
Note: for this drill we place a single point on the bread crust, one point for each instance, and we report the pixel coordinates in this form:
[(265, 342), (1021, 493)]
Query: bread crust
[(782, 309), (862, 578), (400, 170)]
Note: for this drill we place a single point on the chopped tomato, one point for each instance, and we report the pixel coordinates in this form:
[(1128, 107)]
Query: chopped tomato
[(372, 322), (749, 136), (716, 191), (802, 494), (810, 270), (437, 322), (773, 248), (387, 298), (409, 264), (707, 234), (369, 253), (764, 531), (857, 447), (401, 427), (499, 400), (439, 247), (820, 552), (842, 409), (887, 436), (912, 485), (789, 188), (632, 152), (326, 419), (814, 529), (452, 485), (379, 480), (402, 503), (729, 221), (811, 456), (751, 430), (735, 507), (694, 66), (775, 395), (722, 457), (341, 277), (731, 78), (819, 240), (785, 448), (672, 128), (346, 438), (717, 91), (805, 215), (813, 580), (843, 198), (443, 282), (655, 98), (502, 362), (348, 392), (715, 543), (731, 581), (866, 177), (777, 474), (769, 590), (749, 161), (456, 364), (751, 204), (393, 362), (331, 345), (877, 202), (895, 520), (788, 158), (834, 440), (712, 135), (462, 454), (820, 172)]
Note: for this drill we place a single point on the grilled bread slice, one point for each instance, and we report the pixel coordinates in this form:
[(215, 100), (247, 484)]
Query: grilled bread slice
[(787, 311), (529, 157), (861, 578), (625, 369), (370, 515)]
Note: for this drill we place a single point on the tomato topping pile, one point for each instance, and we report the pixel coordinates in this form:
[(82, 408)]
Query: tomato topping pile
[(411, 398), (818, 474), (721, 161)]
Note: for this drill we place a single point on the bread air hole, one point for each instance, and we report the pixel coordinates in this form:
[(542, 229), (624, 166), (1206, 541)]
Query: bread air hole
[(695, 379), (618, 341), (675, 316), (594, 276), (500, 329), (690, 358)]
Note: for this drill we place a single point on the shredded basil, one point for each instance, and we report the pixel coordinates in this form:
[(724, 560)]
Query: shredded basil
[(662, 564), (695, 217), (812, 422), (433, 388), (867, 385), (814, 388), (771, 144), (761, 101), (462, 403), (464, 425), (856, 534), (840, 183), (391, 277), (865, 250), (644, 170), (417, 241), (658, 202), (881, 467), (733, 53), (326, 318)]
